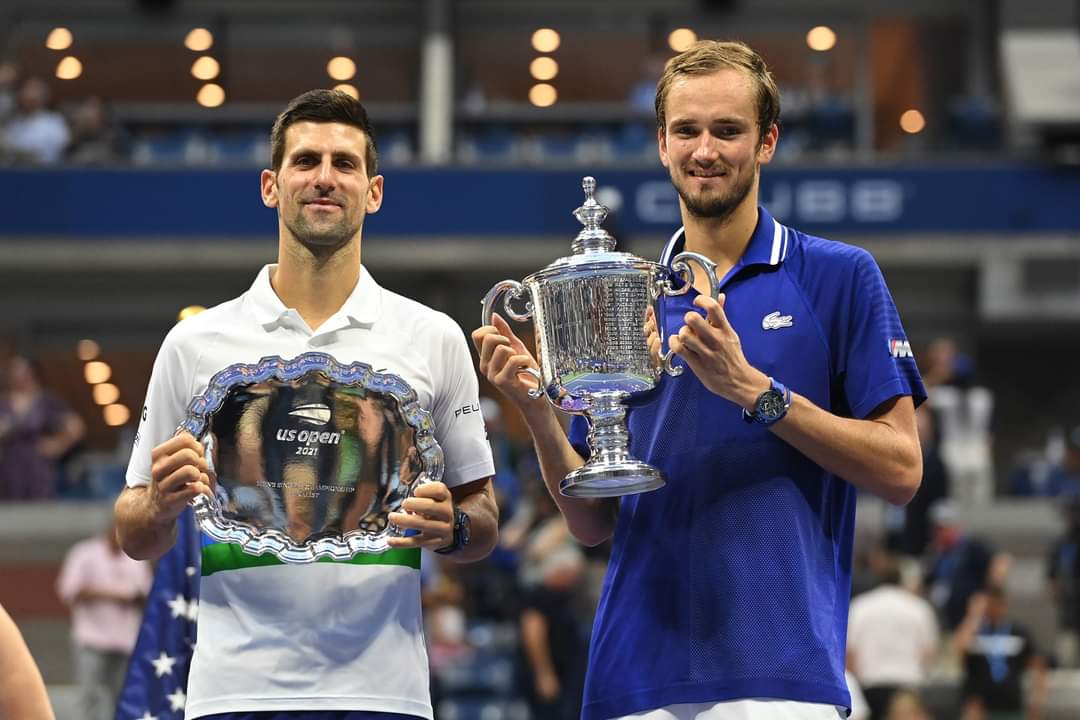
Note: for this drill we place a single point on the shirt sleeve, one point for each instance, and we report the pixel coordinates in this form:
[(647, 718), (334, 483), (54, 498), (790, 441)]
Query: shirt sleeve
[(459, 425), (875, 357), (163, 410)]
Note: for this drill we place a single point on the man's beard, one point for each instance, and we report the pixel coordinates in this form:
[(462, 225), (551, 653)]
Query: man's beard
[(321, 240), (715, 206)]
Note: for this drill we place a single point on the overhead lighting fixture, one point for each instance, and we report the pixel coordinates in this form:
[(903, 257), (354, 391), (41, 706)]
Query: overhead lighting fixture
[(912, 122), (60, 38), (97, 372), (87, 350), (681, 39), (69, 68), (349, 90), (116, 415), (543, 68), (341, 68), (106, 394), (199, 40), (545, 40), (821, 38), (210, 95), (543, 95), (205, 68), (189, 311)]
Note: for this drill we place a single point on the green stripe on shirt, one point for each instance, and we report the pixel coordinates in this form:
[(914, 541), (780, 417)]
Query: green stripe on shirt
[(228, 556)]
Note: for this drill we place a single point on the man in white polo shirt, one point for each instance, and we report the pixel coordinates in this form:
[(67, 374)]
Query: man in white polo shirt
[(326, 640)]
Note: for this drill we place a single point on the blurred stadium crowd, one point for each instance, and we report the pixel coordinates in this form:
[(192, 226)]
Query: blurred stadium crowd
[(986, 556)]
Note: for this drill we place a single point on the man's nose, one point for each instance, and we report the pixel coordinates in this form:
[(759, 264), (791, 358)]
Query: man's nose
[(706, 150), (324, 179)]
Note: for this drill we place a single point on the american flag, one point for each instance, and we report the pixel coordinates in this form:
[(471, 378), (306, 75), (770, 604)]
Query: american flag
[(156, 684)]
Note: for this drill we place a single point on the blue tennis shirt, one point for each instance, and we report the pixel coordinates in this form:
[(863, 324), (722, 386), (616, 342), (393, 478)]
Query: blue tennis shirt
[(733, 580)]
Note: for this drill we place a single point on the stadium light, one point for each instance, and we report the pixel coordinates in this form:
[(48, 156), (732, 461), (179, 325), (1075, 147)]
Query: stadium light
[(543, 95), (205, 68), (210, 95), (341, 68), (87, 350), (189, 311), (349, 90), (543, 68), (106, 393), (821, 38), (69, 68), (912, 122), (97, 372), (116, 415), (681, 39), (545, 40), (60, 38), (199, 40)]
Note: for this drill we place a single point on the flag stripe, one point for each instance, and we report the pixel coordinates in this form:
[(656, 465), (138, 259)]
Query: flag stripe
[(229, 556)]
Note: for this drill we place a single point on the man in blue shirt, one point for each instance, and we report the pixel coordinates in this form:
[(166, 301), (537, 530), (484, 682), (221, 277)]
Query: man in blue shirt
[(727, 591)]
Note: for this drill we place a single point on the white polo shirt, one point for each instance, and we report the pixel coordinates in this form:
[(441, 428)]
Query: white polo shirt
[(326, 635)]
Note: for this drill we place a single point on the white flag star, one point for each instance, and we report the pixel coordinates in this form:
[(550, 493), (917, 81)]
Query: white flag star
[(178, 606), (163, 665), (148, 716), (190, 571), (193, 610), (177, 700)]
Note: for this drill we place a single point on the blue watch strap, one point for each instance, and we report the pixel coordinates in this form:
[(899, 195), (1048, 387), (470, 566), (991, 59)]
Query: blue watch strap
[(777, 390)]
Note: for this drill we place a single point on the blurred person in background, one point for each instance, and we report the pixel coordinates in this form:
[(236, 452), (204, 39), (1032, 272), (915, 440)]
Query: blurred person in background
[(960, 565), (996, 653), (37, 429), (1063, 581), (892, 637), (916, 533), (94, 139), (9, 76), (727, 591), (35, 133), (907, 704), (1064, 478), (348, 635), (105, 590), (964, 411), (22, 691)]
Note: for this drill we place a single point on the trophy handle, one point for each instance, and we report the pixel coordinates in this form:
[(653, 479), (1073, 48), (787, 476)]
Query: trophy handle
[(516, 290), (681, 266)]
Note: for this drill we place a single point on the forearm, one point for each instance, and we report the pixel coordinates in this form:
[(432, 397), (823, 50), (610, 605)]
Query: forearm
[(140, 537), (590, 520), (483, 514), (870, 454)]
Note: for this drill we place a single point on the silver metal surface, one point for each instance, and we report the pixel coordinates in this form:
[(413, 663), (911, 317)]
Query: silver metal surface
[(309, 456), (589, 311)]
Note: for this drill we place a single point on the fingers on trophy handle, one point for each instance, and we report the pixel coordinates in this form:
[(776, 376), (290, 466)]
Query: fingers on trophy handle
[(538, 391), (514, 290), (681, 264)]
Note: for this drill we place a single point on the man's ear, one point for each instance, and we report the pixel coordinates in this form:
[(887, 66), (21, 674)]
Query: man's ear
[(268, 186), (375, 194)]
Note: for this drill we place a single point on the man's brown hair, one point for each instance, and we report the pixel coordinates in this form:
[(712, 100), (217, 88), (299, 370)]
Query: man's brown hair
[(324, 106)]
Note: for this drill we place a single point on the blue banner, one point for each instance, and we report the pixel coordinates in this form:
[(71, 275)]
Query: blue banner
[(470, 203)]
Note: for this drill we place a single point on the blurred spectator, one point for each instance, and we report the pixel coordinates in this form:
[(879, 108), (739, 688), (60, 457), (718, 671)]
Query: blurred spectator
[(22, 691), (997, 652), (642, 98), (506, 453), (906, 704), (35, 133), (964, 411), (9, 74), (960, 565), (1064, 478), (1063, 577), (105, 590), (892, 638), (94, 139), (443, 598), (37, 429), (915, 533), (859, 709)]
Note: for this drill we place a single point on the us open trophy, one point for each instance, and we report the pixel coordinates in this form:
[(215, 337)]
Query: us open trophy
[(309, 456), (588, 310)]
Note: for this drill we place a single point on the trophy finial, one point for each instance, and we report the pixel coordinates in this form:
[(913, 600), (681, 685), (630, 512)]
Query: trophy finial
[(591, 214), (588, 184)]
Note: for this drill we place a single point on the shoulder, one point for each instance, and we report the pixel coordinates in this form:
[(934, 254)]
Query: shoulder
[(403, 311), (190, 334), (825, 257)]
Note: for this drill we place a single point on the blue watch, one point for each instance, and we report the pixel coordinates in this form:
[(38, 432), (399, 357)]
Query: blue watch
[(771, 405), (462, 528)]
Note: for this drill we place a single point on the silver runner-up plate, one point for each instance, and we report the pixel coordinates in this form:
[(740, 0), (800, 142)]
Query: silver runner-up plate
[(308, 457)]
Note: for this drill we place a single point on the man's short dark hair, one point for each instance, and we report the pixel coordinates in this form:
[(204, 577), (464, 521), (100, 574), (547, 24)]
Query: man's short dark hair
[(323, 106)]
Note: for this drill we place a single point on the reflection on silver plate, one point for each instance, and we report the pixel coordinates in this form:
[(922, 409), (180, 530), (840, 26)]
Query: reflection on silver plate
[(309, 456)]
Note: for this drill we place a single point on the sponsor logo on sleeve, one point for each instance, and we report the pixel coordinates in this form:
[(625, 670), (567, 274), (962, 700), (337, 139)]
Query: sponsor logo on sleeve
[(467, 410), (900, 348)]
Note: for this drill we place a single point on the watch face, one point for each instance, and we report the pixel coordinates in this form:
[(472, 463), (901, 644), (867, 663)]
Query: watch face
[(772, 404), (464, 528)]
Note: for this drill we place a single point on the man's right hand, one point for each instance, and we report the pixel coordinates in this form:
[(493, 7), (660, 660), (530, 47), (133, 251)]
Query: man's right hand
[(179, 472), (502, 357)]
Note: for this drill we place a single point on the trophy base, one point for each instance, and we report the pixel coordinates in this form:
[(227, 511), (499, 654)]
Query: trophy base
[(625, 478)]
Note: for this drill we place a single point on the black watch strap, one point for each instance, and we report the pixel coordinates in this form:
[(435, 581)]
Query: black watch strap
[(461, 533)]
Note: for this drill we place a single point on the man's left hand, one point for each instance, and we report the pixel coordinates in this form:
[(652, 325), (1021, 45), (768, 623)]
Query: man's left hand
[(430, 511), (712, 349)]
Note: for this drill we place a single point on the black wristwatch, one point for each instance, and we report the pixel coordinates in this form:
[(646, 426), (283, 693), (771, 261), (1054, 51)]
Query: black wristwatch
[(461, 533), (771, 405)]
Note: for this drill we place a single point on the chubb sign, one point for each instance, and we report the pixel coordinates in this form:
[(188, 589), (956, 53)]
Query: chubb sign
[(814, 201)]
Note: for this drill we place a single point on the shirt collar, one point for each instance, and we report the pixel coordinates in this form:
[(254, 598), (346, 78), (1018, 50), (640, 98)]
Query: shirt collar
[(769, 243), (361, 307)]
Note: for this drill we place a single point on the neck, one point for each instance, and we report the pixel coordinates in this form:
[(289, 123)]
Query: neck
[(722, 240), (315, 286)]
